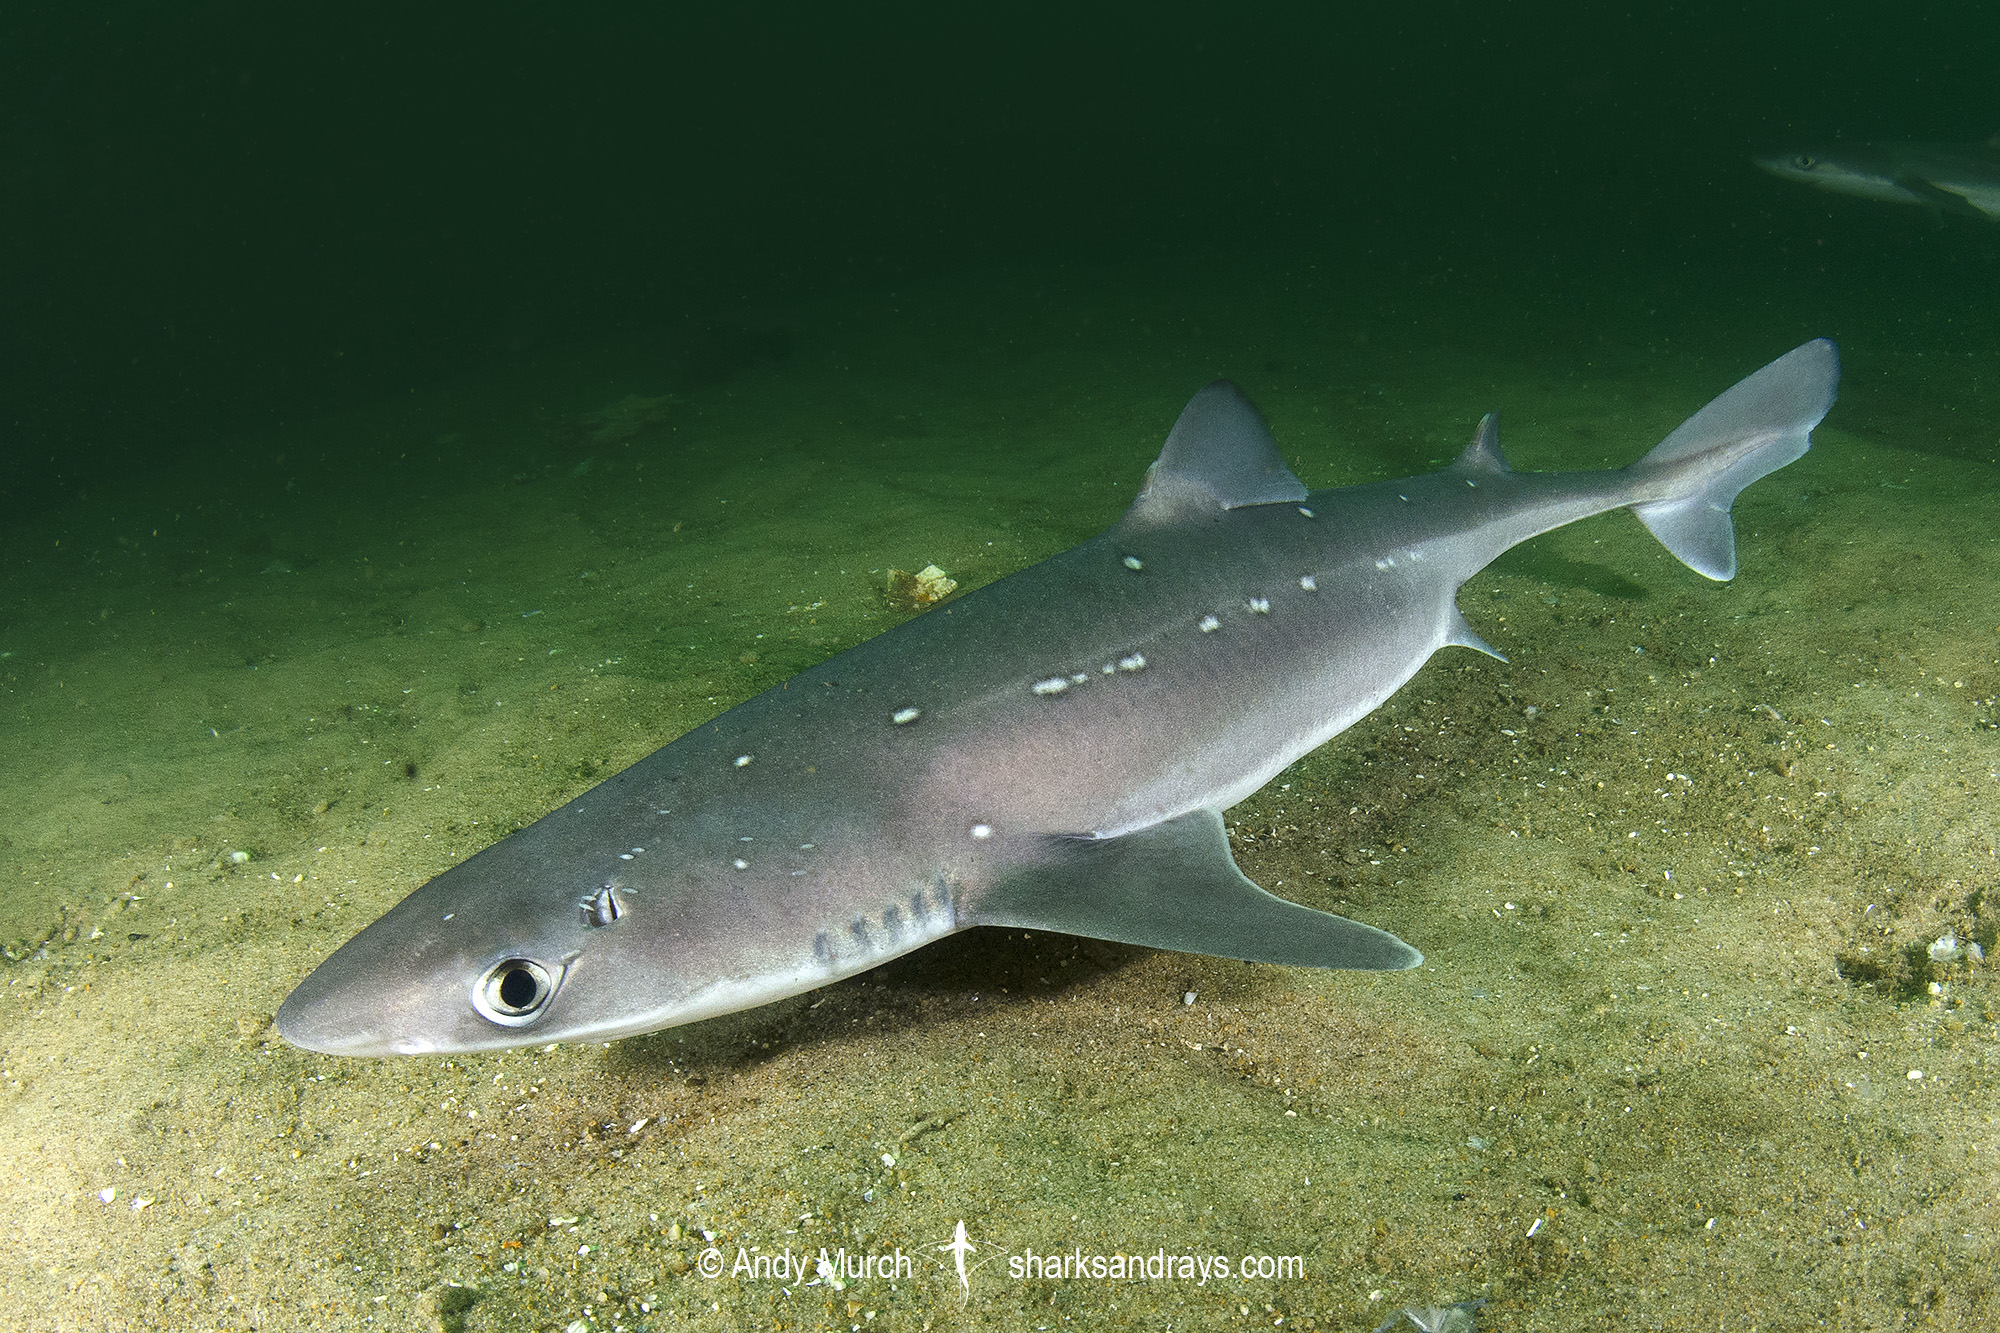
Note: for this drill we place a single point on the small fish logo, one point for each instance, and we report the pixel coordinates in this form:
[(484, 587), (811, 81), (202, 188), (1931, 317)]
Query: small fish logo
[(959, 1247)]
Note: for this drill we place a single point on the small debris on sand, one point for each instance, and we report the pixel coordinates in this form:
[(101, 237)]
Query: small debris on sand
[(916, 592)]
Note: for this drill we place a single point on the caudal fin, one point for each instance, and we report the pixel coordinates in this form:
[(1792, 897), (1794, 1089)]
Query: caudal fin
[(1750, 431)]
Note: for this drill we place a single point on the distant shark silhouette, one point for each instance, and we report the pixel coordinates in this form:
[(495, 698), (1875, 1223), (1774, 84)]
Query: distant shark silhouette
[(1947, 178), (1052, 751)]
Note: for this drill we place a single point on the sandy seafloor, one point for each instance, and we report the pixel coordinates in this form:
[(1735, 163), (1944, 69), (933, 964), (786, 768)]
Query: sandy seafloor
[(1678, 1057)]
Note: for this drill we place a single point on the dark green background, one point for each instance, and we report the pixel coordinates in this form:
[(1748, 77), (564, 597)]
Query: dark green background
[(222, 214)]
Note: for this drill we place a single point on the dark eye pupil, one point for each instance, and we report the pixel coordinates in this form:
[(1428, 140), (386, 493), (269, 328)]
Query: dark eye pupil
[(518, 988), (515, 992), (1803, 161)]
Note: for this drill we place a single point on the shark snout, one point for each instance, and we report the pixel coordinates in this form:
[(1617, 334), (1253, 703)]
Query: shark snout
[(328, 1017)]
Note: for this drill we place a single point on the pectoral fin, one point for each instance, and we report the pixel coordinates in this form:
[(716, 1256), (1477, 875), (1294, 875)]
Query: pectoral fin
[(1175, 886), (1940, 198)]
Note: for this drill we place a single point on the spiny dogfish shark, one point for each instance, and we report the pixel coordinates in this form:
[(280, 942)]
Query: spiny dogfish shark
[(1050, 752), (1961, 178)]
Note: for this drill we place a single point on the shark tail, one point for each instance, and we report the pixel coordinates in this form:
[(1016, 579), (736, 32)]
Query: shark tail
[(1753, 429)]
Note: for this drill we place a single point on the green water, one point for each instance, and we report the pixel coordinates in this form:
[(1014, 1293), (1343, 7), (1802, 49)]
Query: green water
[(388, 466)]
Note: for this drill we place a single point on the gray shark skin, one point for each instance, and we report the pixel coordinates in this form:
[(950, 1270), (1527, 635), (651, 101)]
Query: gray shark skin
[(1052, 751), (1963, 179)]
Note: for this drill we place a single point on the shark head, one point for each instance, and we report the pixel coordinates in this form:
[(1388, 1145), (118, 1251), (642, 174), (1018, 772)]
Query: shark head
[(1852, 171), (570, 931), (507, 949)]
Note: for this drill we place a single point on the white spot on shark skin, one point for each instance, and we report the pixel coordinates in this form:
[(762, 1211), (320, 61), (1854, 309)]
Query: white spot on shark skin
[(1109, 668), (637, 850), (1384, 564), (1259, 605), (624, 856), (742, 760), (1209, 624), (1309, 583), (1079, 678), (1307, 512), (1053, 685), (982, 830), (1132, 662), (740, 863), (905, 715), (1134, 562)]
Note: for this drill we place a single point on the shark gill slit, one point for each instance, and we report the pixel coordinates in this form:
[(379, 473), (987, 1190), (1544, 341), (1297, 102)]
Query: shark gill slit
[(927, 914)]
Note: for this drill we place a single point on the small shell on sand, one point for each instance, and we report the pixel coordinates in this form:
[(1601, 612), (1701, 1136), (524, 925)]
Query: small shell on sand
[(914, 592)]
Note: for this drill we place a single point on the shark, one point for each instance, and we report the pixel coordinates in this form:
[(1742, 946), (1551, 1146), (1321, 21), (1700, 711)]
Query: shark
[(1051, 752), (1962, 179)]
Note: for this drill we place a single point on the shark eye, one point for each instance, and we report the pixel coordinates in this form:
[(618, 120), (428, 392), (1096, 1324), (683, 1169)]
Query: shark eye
[(1805, 161), (514, 992)]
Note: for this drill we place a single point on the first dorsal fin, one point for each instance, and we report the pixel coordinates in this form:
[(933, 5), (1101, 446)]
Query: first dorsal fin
[(1483, 454), (1218, 456)]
